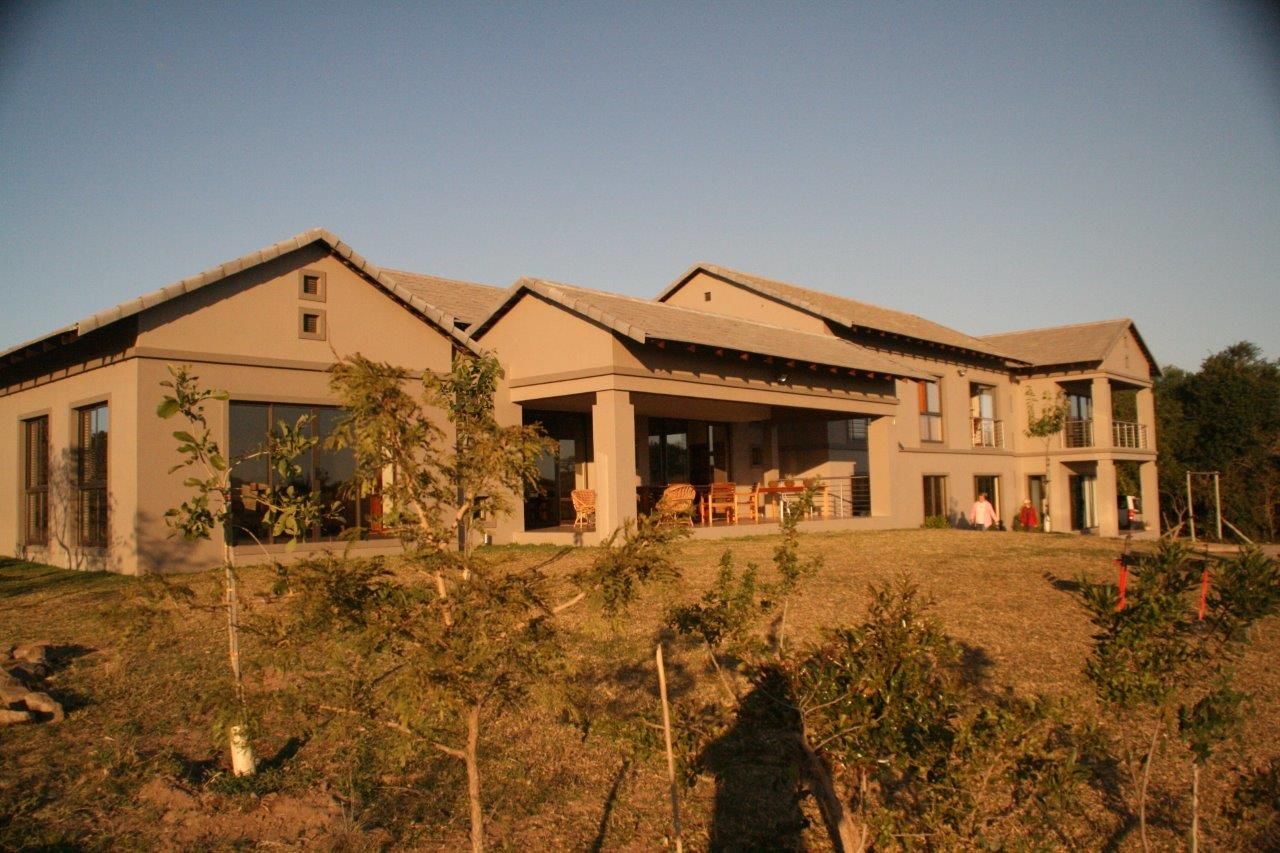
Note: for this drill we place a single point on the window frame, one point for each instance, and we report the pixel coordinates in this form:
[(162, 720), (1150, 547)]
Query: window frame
[(365, 510), (36, 492), (322, 286), (930, 418), (92, 491), (940, 497)]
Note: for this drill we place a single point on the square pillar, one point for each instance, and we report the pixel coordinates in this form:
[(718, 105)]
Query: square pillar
[(1146, 405), (613, 426), (1105, 488), (1102, 413), (881, 450), (1148, 479), (1059, 496)]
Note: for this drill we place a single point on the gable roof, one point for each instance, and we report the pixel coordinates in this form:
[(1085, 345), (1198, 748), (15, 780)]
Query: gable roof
[(1078, 343), (643, 321), (406, 295), (842, 310), (466, 301)]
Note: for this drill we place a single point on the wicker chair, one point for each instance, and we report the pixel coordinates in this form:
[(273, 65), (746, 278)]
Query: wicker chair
[(723, 499), (584, 504), (676, 505)]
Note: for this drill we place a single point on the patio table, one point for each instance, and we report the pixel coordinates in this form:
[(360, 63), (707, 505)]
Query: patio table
[(784, 492)]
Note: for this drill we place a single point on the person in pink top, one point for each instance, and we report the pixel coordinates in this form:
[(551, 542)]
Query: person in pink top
[(982, 514)]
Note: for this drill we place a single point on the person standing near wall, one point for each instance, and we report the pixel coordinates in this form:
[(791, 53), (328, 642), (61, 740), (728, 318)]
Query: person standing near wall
[(982, 514), (1027, 518)]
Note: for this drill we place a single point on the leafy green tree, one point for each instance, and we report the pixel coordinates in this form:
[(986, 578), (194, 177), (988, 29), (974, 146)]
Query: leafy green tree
[(1225, 417), (207, 512), (1046, 418), (1156, 663), (456, 639)]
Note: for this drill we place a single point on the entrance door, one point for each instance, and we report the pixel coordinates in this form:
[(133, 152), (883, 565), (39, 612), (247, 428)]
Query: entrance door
[(989, 485), (1084, 501)]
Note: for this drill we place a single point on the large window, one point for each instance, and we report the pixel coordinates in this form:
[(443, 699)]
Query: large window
[(92, 427), (35, 481), (668, 451), (328, 472), (935, 496), (930, 411)]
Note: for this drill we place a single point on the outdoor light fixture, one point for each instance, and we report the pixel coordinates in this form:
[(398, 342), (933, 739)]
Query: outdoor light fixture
[(782, 379)]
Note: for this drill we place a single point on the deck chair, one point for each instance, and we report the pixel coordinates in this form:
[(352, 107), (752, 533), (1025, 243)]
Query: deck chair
[(749, 499), (723, 498), (676, 505), (584, 505)]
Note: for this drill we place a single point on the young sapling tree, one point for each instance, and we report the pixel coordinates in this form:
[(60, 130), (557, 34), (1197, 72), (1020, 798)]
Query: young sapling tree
[(289, 512), (1045, 419)]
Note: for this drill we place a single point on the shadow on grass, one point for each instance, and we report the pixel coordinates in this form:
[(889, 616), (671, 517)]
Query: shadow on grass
[(1062, 584), (19, 577), (758, 772), (602, 828)]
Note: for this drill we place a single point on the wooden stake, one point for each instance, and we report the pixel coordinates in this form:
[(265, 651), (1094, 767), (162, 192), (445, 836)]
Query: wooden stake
[(671, 757), (1123, 584)]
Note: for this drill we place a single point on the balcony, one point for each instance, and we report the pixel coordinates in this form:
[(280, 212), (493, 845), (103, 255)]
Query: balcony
[(1129, 435), (1078, 432), (987, 432)]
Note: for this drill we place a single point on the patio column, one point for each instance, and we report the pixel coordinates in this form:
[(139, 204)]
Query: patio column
[(1148, 477), (613, 427), (1108, 515), (1146, 401), (882, 452), (1102, 416)]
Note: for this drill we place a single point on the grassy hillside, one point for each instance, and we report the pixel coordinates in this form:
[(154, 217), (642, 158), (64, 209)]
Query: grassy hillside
[(137, 764)]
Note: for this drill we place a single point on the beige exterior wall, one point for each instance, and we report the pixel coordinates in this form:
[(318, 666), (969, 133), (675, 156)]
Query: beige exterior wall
[(116, 385), (240, 335), (728, 298)]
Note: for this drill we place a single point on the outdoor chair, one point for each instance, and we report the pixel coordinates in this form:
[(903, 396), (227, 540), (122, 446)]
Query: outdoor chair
[(584, 504), (749, 499), (722, 498), (676, 505)]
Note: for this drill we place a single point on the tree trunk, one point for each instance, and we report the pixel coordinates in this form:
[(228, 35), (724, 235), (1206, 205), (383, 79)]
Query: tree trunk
[(1142, 789), (845, 837), (473, 779), (242, 759)]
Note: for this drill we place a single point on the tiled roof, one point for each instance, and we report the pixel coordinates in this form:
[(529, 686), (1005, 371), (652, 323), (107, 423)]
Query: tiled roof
[(467, 301), (644, 320), (441, 319), (844, 311), (1080, 343)]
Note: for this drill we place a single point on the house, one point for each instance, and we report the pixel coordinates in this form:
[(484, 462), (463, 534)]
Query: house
[(723, 377)]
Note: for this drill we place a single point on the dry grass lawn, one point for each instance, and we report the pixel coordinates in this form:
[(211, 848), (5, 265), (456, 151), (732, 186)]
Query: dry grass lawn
[(136, 764)]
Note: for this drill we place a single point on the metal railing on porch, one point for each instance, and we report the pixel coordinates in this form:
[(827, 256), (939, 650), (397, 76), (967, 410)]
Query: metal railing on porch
[(1129, 435), (987, 432), (845, 497), (1078, 432)]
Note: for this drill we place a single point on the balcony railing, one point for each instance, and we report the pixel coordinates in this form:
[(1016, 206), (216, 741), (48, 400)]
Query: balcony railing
[(1129, 435), (987, 432), (1078, 432)]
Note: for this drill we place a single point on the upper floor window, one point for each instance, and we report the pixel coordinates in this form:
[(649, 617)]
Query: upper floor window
[(930, 410), (35, 481), (92, 429)]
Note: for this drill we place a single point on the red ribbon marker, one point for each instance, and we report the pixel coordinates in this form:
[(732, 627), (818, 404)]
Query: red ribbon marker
[(1124, 581), (1204, 592)]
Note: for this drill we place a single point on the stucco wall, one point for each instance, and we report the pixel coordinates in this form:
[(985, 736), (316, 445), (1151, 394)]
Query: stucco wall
[(735, 301)]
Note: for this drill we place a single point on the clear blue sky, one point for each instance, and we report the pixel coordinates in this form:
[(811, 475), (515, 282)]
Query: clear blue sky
[(989, 166)]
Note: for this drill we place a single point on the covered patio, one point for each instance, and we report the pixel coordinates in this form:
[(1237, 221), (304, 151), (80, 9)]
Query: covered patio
[(639, 396)]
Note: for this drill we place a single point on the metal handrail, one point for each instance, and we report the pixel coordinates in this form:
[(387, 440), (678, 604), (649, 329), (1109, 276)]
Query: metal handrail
[(1078, 432), (1129, 434)]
